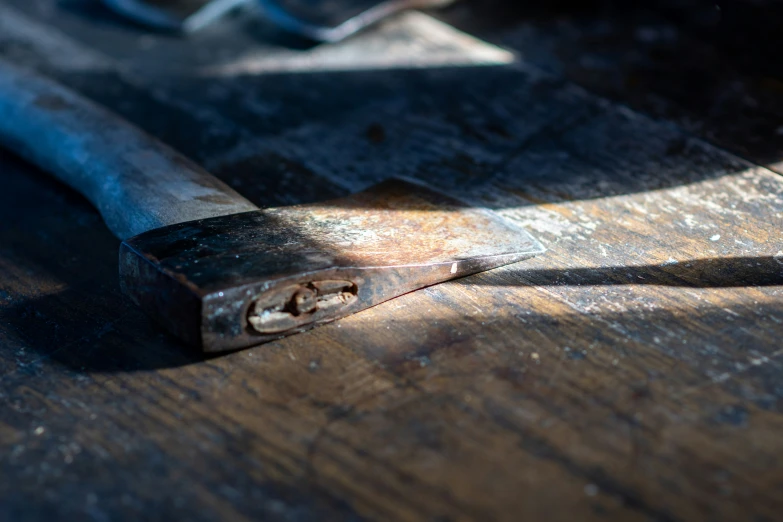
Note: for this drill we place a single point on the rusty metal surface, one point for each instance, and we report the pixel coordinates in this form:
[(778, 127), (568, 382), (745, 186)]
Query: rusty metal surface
[(235, 281)]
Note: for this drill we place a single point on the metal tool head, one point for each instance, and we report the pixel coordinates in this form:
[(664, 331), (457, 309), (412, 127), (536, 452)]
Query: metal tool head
[(235, 281), (335, 20), (183, 16), (318, 20)]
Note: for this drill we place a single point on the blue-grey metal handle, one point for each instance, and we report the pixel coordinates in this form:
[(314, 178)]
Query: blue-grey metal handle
[(136, 182)]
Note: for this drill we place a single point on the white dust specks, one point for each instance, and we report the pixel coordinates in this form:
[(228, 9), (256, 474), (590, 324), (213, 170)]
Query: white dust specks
[(549, 225)]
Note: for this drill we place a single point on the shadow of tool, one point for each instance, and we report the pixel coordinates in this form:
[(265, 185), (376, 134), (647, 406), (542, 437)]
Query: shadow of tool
[(728, 272), (59, 292)]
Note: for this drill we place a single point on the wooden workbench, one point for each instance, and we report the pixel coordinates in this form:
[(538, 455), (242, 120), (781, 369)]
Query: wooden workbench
[(632, 372)]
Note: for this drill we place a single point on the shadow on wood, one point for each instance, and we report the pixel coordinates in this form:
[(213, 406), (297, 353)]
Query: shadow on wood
[(729, 272)]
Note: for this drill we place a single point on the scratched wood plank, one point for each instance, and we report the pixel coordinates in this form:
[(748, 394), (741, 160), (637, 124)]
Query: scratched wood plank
[(631, 372), (704, 65)]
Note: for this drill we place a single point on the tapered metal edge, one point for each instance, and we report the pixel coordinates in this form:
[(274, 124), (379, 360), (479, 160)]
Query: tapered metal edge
[(234, 281), (219, 321)]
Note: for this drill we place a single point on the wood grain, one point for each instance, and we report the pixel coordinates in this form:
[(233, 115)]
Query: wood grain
[(707, 67), (632, 373)]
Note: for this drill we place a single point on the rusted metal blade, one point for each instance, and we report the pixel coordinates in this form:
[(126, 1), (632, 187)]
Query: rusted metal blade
[(234, 281)]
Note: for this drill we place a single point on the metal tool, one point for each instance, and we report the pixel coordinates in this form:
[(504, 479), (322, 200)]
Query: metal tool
[(335, 20), (213, 268), (319, 20), (183, 16)]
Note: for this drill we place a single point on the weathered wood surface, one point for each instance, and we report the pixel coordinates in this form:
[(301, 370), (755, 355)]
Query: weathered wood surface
[(711, 67), (632, 372)]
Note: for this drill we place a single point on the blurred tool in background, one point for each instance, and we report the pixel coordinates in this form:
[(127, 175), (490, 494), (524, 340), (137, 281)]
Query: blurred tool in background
[(318, 20)]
